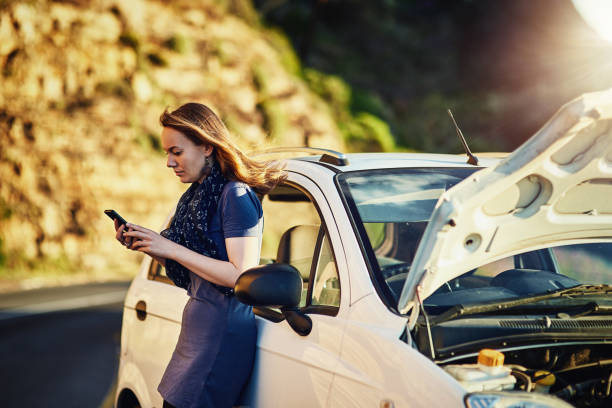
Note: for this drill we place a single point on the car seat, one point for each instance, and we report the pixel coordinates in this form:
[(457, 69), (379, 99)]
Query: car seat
[(296, 247)]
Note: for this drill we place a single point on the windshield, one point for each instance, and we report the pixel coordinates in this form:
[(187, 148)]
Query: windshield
[(391, 209)]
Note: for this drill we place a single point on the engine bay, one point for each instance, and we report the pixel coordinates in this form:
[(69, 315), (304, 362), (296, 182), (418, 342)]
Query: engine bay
[(579, 372)]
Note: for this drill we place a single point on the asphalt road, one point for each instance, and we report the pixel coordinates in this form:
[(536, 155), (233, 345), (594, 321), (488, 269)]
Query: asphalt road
[(60, 347)]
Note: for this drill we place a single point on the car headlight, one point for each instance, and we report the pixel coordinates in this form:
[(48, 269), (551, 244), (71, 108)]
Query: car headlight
[(513, 400)]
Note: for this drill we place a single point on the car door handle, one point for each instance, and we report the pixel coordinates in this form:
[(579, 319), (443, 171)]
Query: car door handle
[(141, 310)]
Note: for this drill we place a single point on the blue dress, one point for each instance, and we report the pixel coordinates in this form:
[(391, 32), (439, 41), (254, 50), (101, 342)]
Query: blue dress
[(215, 351)]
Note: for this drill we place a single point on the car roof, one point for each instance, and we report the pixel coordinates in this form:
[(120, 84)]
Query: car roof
[(370, 161)]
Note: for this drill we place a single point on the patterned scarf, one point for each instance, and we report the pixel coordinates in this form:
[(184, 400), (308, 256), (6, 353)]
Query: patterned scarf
[(191, 221)]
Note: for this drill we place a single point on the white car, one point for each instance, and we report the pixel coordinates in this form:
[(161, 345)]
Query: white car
[(406, 269)]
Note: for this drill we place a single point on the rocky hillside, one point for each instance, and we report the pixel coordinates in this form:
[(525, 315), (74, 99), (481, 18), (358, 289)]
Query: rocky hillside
[(81, 89)]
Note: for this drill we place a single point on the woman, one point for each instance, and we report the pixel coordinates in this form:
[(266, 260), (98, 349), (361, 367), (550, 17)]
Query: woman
[(214, 236)]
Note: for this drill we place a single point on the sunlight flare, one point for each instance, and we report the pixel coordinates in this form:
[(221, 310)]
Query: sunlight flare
[(597, 14)]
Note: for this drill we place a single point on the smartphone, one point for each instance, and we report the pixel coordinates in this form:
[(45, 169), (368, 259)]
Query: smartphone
[(114, 215)]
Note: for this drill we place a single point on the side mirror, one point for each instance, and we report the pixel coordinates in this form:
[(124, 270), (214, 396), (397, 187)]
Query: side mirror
[(275, 285)]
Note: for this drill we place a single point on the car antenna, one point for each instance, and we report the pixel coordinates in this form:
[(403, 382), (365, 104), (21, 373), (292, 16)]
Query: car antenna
[(473, 160)]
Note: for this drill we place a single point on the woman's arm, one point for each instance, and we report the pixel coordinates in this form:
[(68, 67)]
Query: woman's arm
[(242, 253)]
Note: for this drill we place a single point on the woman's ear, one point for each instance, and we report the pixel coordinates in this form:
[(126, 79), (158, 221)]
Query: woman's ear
[(207, 150)]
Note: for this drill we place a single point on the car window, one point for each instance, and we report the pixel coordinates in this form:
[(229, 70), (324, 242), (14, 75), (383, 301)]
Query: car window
[(527, 274), (158, 273), (492, 269), (295, 234), (587, 263), (326, 284), (391, 208)]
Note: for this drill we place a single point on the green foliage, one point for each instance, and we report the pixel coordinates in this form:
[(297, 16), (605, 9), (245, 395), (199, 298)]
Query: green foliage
[(179, 43), (154, 142), (157, 59), (243, 9), (226, 51), (130, 39), (2, 254), (15, 265), (369, 133), (118, 88), (333, 89), (260, 79), (142, 137), (368, 101), (427, 126), (281, 43), (375, 232), (145, 54), (355, 112), (5, 213), (275, 121), (148, 141)]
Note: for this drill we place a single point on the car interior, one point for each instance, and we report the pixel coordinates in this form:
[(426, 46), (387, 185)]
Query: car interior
[(303, 244)]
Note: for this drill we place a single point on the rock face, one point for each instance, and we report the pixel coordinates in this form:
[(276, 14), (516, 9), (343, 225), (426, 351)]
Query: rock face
[(81, 89)]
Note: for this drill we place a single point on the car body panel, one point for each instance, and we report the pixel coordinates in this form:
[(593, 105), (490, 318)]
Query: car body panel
[(133, 380), (148, 345), (533, 198), (376, 366), (296, 370)]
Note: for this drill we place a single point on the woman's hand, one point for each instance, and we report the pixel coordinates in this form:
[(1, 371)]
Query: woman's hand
[(120, 229), (149, 242)]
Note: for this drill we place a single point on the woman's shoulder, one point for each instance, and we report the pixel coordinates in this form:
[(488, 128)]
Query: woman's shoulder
[(232, 185), (239, 193)]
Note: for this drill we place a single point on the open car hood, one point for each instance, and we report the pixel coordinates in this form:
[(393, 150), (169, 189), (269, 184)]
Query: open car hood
[(556, 187)]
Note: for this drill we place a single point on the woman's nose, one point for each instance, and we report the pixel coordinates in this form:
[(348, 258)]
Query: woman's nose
[(170, 162)]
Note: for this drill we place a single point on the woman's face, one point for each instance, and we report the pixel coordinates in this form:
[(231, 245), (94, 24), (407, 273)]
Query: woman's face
[(185, 157)]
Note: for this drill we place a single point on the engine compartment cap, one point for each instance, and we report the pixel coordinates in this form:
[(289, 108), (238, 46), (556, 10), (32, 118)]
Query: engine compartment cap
[(490, 358)]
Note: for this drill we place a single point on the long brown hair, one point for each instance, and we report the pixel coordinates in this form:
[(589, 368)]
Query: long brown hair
[(200, 124)]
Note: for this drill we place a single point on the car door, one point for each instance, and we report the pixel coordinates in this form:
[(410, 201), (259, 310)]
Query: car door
[(293, 370), (151, 325)]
